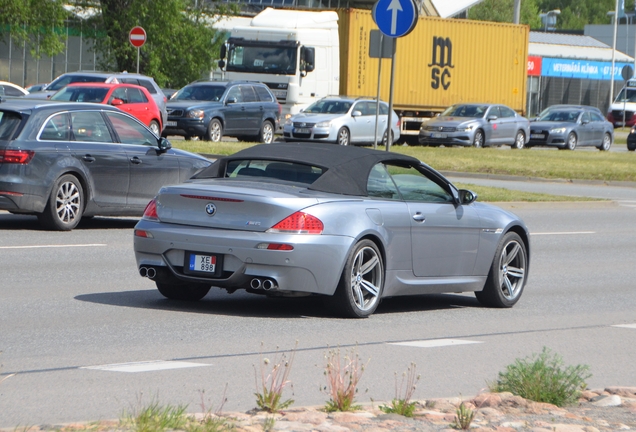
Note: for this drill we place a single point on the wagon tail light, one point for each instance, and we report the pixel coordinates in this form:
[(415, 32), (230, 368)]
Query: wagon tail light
[(298, 223), (150, 213), (22, 157)]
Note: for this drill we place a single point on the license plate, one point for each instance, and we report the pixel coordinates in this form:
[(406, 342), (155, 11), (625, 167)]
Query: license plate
[(202, 263), (171, 123), (438, 135), (537, 136), (619, 123), (302, 131)]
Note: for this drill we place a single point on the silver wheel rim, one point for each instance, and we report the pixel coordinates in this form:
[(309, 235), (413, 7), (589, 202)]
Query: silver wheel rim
[(571, 142), (479, 139), (67, 202), (512, 270), (154, 127), (521, 140), (366, 278), (268, 133), (343, 137), (215, 131), (606, 142)]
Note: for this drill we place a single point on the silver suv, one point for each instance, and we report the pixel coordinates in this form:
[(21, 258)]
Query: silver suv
[(108, 77), (341, 120)]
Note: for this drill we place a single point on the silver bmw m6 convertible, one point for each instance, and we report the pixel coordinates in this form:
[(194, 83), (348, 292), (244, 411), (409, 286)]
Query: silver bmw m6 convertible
[(352, 225)]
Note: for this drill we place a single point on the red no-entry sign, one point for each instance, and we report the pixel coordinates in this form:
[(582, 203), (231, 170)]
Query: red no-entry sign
[(137, 36)]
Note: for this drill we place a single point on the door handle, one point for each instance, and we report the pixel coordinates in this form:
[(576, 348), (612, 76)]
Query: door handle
[(419, 217), (135, 160), (88, 158)]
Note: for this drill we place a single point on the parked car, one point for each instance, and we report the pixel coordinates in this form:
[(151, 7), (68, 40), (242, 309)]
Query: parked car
[(351, 224), (477, 125), (631, 139), (570, 127), (342, 120), (10, 89), (109, 77), (133, 99), (62, 161), (212, 109)]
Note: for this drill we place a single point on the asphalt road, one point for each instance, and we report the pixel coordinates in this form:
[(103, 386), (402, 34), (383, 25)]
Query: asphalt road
[(87, 338)]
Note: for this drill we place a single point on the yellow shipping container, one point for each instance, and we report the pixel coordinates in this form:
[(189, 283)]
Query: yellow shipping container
[(440, 63)]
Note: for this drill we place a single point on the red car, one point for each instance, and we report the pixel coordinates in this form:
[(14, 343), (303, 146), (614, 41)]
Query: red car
[(131, 98)]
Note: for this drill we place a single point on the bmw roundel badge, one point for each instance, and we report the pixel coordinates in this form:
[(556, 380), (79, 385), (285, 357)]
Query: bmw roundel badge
[(210, 209)]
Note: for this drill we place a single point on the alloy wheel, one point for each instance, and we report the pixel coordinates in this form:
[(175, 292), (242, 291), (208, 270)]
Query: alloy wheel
[(366, 278)]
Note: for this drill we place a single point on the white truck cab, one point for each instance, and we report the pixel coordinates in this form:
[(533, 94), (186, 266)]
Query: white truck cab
[(296, 53), (622, 112)]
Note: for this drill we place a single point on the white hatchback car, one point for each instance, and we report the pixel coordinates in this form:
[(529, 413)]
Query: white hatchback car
[(10, 89), (342, 120)]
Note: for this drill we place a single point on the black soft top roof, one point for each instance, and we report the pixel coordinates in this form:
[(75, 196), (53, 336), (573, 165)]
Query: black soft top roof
[(347, 167)]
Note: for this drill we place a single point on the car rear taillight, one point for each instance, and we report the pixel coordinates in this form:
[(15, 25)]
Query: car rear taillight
[(298, 223), (16, 156), (151, 211)]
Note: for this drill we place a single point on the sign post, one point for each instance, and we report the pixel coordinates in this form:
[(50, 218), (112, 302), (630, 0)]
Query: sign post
[(394, 18), (137, 38)]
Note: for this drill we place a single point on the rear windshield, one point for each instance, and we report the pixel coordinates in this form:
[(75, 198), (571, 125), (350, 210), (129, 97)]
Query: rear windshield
[(63, 81), (9, 122), (81, 94), (265, 170)]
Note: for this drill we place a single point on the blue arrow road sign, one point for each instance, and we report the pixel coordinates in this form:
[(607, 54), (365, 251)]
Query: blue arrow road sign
[(395, 18)]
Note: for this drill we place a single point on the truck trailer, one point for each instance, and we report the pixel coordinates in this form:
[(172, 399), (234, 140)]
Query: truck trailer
[(305, 55)]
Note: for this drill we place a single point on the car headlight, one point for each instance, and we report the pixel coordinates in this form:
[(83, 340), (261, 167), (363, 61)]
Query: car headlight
[(288, 121), (558, 130), (324, 124), (633, 130), (465, 128), (196, 113)]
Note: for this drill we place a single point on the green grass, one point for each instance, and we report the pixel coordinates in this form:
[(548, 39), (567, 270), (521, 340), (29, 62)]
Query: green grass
[(493, 194)]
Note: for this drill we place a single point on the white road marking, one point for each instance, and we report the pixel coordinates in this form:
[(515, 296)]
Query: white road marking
[(435, 343), (53, 246), (564, 233), (631, 326), (145, 366)]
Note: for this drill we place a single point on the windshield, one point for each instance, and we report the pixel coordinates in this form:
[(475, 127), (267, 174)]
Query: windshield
[(329, 107), (200, 93), (561, 116), (63, 81), (475, 111), (262, 59), (81, 94), (626, 95), (8, 122)]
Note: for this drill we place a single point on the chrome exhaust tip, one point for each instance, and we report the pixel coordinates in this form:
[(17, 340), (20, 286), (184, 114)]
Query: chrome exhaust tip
[(143, 272), (151, 273), (255, 283), (269, 284)]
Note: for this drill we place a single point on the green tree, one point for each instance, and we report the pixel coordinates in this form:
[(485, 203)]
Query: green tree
[(34, 22), (503, 11), (575, 14)]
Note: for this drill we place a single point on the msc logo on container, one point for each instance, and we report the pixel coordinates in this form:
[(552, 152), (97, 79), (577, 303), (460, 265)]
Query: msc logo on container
[(441, 62)]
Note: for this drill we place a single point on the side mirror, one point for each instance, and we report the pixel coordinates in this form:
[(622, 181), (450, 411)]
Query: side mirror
[(356, 114), (467, 197), (221, 64), (585, 122), (117, 102), (492, 118), (308, 56), (231, 100), (164, 144), (223, 51)]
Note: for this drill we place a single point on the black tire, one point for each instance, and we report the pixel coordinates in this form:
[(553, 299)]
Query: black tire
[(507, 276), (215, 131), (266, 134), (182, 291), (607, 142), (154, 127), (65, 206), (520, 141), (571, 141), (343, 137), (360, 287), (631, 146), (384, 136), (478, 139)]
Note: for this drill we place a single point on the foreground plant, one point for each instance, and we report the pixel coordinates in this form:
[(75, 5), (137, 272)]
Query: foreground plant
[(273, 381), (343, 375), (156, 418), (463, 417), (402, 403), (543, 378)]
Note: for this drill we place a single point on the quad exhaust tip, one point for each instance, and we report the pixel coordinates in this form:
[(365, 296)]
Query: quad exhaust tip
[(148, 272)]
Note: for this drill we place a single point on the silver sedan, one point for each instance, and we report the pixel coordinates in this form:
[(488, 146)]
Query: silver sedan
[(477, 125), (351, 225)]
